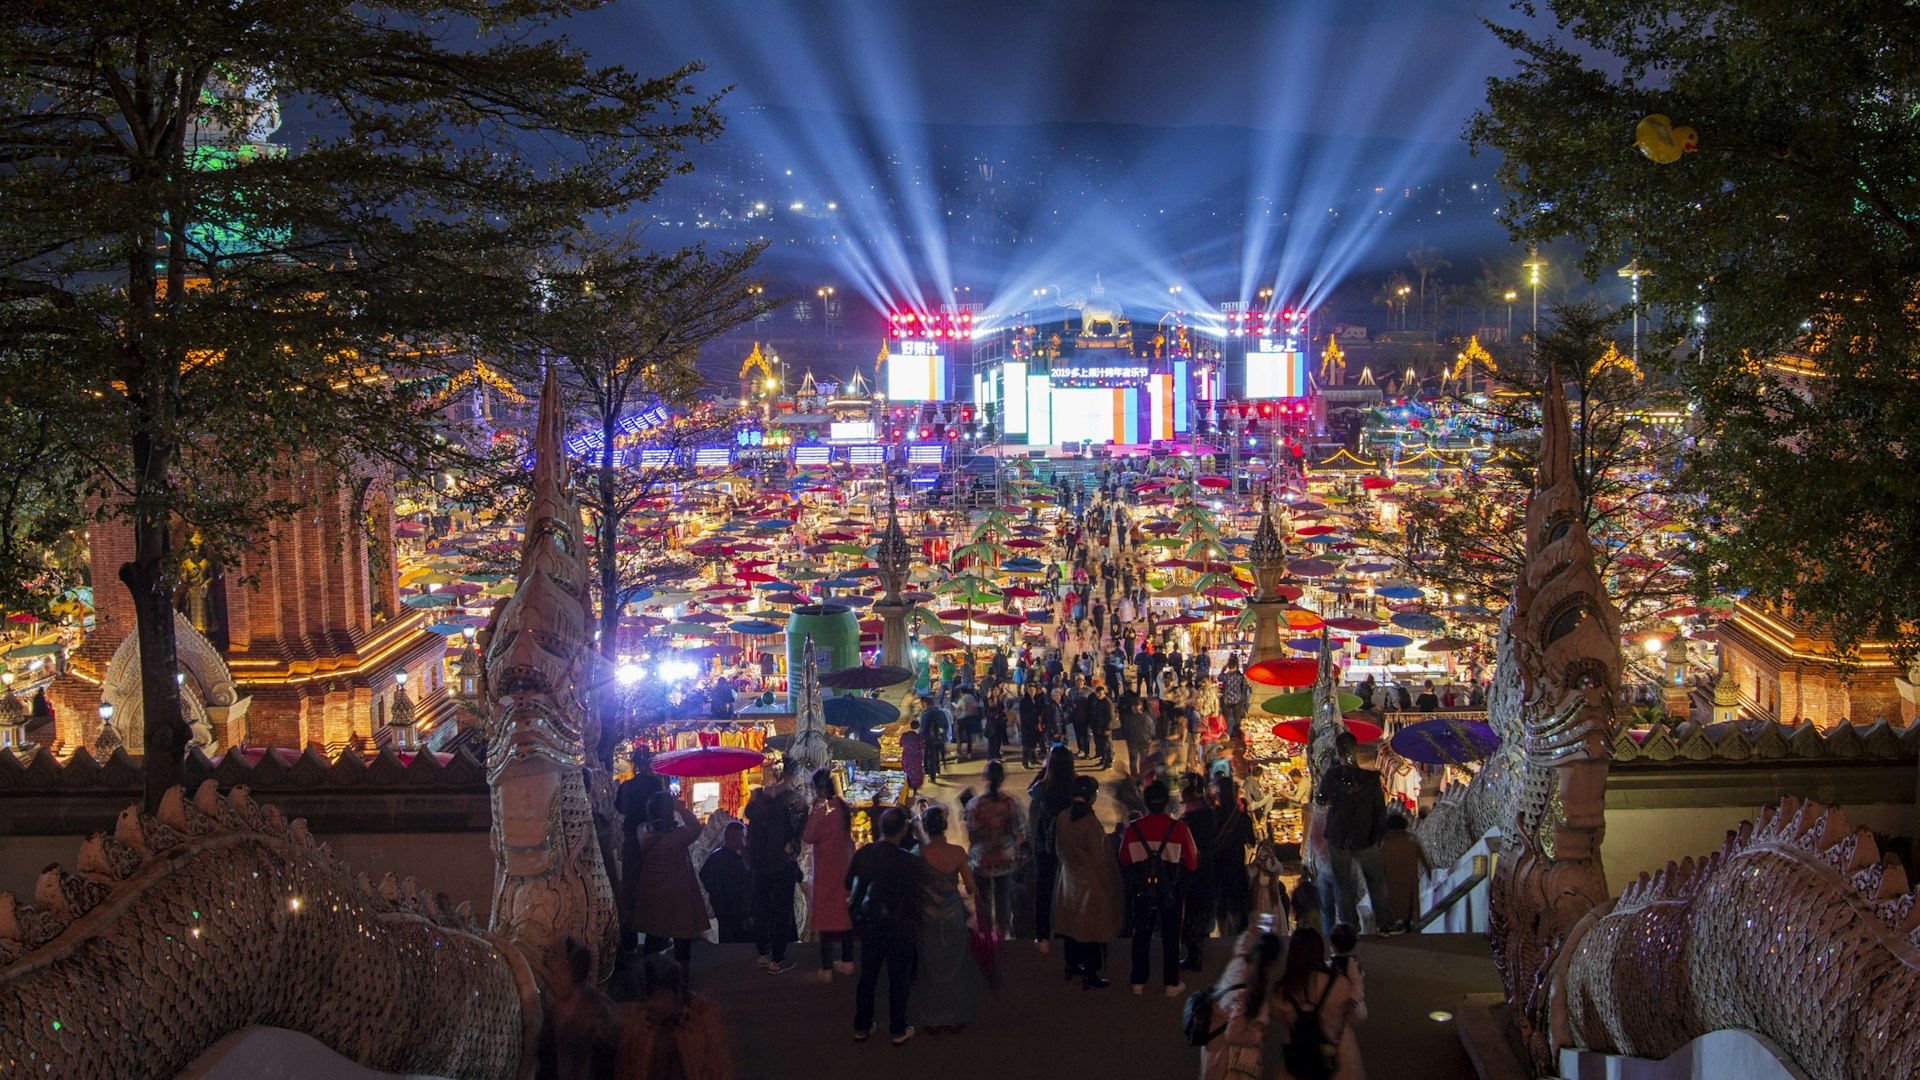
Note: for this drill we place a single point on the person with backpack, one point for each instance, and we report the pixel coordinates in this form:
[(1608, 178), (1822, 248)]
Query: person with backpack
[(1159, 856), (1354, 806), (1235, 693), (935, 724), (1314, 1006), (1229, 1020), (996, 830), (883, 903)]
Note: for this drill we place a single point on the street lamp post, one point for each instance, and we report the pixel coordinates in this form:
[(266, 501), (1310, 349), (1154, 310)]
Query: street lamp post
[(1534, 266), (1633, 274), (1511, 297), (1404, 290)]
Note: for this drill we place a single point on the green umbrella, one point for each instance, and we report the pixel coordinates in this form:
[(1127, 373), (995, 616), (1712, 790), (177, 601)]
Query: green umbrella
[(985, 551), (847, 549), (28, 652), (1300, 703), (1163, 541), (929, 621), (807, 575), (688, 629)]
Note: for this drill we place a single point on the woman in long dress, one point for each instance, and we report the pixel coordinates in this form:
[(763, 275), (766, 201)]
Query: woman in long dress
[(829, 834), (948, 986)]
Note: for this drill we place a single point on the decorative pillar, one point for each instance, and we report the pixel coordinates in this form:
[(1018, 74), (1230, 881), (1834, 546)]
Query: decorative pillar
[(13, 720), (894, 556), (402, 733), (1268, 556)]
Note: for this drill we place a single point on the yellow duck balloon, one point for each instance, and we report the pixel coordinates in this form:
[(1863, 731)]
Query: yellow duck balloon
[(1656, 137)]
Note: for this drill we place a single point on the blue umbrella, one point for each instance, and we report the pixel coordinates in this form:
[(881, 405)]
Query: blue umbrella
[(1418, 620), (1311, 568), (772, 526), (837, 583), (1384, 641), (860, 712), (446, 629), (638, 595), (1306, 644), (853, 601), (863, 572), (1445, 741), (1369, 567), (755, 626), (778, 586), (1326, 538), (1399, 592)]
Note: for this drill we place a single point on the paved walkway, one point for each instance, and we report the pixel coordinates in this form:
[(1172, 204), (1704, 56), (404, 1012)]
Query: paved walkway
[(1036, 1024)]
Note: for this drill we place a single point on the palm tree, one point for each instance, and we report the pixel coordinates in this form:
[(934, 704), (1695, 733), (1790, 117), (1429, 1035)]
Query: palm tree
[(1393, 293), (1426, 260)]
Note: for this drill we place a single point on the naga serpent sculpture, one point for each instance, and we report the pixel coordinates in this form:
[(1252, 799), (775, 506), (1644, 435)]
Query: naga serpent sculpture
[(215, 914), (1795, 930)]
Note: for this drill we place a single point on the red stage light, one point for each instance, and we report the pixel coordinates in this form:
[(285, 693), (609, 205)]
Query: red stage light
[(926, 432), (897, 433)]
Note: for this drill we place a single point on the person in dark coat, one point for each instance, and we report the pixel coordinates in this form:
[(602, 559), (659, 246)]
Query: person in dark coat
[(1089, 901), (1198, 817), (1099, 720), (1033, 718), (631, 801), (1232, 889), (883, 900), (1052, 792), (729, 885), (667, 902), (773, 830)]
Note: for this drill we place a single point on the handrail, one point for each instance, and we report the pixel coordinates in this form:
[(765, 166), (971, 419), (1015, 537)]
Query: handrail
[(1482, 869)]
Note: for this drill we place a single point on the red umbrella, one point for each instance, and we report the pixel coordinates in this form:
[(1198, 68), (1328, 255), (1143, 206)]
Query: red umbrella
[(1681, 612), (1020, 592), (748, 564), (872, 626), (1284, 671), (1352, 622), (1181, 620), (1316, 530), (1025, 544), (1374, 483), (942, 643), (1295, 731), (1215, 482), (1221, 592), (788, 598), (755, 577), (731, 598), (1000, 618), (708, 761), (839, 537)]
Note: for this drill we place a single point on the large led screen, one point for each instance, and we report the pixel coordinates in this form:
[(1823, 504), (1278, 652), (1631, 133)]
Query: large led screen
[(1279, 373), (1082, 415), (917, 371), (1013, 409)]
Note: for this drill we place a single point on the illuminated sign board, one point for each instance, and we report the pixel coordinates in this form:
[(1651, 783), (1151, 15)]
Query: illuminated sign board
[(655, 457), (1131, 375), (812, 455), (917, 371), (1013, 411), (867, 455), (711, 457), (851, 431), (1275, 371), (926, 454)]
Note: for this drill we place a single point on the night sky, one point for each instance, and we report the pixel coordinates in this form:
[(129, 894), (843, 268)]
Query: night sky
[(1400, 68)]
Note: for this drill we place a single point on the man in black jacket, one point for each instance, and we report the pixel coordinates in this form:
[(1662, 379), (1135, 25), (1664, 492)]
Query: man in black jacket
[(885, 907), (773, 834), (1356, 807), (729, 885), (1033, 720), (1197, 815), (1099, 714)]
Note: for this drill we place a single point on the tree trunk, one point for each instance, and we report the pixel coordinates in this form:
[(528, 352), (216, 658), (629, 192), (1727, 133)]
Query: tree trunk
[(607, 535), (164, 741)]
